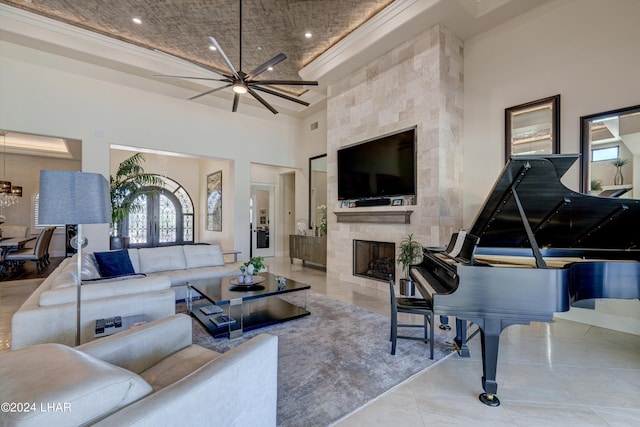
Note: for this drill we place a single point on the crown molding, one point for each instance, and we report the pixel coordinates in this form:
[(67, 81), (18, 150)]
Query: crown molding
[(371, 39)]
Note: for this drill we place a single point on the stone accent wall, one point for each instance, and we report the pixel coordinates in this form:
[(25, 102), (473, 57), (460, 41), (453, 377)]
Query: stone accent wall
[(419, 82)]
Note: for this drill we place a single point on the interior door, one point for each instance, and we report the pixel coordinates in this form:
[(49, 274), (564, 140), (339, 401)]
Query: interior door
[(263, 230)]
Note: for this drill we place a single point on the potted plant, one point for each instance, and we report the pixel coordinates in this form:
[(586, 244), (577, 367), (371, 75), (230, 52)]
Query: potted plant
[(619, 163), (254, 265), (410, 253), (125, 187), (322, 228)]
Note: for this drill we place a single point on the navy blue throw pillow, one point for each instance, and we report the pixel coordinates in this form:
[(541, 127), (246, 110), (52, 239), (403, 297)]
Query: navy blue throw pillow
[(114, 263)]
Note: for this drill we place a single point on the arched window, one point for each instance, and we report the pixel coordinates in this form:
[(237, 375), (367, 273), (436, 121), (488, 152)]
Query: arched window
[(165, 217)]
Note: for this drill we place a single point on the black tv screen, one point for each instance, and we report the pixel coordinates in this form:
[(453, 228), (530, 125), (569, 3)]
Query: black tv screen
[(382, 167)]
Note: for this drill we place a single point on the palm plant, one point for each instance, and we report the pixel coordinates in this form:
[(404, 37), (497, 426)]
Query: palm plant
[(410, 253), (126, 186)]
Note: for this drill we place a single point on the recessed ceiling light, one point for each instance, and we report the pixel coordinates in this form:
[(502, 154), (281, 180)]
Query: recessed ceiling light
[(307, 35), (270, 69), (259, 48), (137, 21), (212, 47)]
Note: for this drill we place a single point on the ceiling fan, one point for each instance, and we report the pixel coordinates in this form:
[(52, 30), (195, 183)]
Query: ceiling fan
[(241, 82)]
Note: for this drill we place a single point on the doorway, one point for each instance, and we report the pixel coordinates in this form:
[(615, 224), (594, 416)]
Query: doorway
[(263, 230)]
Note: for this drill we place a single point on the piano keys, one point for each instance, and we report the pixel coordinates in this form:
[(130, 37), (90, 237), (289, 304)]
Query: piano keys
[(535, 248)]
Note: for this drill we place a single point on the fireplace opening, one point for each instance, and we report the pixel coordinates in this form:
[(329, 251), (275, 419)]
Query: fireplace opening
[(374, 260)]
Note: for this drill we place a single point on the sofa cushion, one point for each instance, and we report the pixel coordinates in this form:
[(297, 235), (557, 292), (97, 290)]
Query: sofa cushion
[(67, 273), (114, 263), (80, 387), (92, 291), (198, 256), (161, 259), (178, 365)]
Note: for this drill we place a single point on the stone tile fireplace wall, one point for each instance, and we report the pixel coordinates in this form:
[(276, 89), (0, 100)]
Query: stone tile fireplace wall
[(417, 83)]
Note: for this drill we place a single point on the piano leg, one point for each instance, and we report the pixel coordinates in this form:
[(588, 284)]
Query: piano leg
[(490, 330), (490, 341)]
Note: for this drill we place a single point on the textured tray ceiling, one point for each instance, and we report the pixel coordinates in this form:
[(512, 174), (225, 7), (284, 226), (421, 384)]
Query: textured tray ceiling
[(181, 27)]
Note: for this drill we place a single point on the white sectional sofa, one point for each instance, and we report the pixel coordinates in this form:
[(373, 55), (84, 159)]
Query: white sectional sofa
[(152, 375), (48, 315), (183, 263)]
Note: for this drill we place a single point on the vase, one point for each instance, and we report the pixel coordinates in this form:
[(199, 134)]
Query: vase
[(618, 179)]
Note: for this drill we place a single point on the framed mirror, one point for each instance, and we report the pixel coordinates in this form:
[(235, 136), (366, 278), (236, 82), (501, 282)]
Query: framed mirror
[(317, 188), (610, 147), (533, 128)]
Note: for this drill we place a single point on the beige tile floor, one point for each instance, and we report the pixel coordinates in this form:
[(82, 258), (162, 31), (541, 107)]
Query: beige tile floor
[(549, 374)]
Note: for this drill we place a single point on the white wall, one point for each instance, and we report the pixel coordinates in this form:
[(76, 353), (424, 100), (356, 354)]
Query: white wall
[(48, 94), (585, 50)]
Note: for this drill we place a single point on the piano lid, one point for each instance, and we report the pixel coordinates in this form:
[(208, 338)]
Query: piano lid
[(557, 216)]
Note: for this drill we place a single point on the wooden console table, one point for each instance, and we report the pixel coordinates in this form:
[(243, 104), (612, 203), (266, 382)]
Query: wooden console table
[(308, 248)]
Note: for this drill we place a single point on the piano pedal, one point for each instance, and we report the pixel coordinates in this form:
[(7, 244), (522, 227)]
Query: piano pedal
[(445, 327)]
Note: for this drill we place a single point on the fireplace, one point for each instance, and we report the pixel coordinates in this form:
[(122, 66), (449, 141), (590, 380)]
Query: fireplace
[(374, 260)]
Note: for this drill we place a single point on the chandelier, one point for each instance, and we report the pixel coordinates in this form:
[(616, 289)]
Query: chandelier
[(9, 195)]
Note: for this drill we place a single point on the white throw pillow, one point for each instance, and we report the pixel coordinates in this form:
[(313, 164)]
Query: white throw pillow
[(63, 386), (203, 256)]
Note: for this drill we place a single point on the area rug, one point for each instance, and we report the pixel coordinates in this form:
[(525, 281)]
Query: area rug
[(334, 361)]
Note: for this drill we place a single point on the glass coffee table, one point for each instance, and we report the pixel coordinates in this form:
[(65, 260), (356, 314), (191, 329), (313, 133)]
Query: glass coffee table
[(228, 309)]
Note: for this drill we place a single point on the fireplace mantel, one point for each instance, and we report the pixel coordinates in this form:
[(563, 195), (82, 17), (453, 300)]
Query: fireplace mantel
[(374, 216)]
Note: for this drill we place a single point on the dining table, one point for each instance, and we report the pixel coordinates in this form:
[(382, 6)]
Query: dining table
[(6, 244)]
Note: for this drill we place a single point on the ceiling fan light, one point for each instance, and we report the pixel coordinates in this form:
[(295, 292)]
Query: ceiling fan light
[(240, 87)]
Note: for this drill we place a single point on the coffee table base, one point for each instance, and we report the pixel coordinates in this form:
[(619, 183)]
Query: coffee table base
[(269, 312)]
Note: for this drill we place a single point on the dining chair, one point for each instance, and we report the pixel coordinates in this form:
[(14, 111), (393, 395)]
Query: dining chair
[(417, 306), (37, 254), (50, 230)]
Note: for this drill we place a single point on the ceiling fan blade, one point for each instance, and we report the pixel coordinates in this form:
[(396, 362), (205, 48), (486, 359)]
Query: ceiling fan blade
[(162, 76), (209, 91), (262, 101), (236, 98), (264, 67), (224, 57), (281, 95), (285, 82)]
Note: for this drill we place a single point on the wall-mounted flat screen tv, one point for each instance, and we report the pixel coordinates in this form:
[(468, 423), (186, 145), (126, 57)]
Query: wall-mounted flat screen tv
[(381, 167)]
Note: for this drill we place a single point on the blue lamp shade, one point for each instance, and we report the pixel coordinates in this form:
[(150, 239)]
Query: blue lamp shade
[(73, 198)]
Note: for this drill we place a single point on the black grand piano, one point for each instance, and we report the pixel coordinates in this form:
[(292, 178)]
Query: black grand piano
[(535, 248)]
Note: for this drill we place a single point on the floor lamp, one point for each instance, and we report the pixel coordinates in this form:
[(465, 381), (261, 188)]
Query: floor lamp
[(74, 198)]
